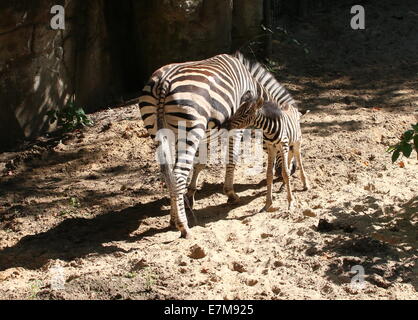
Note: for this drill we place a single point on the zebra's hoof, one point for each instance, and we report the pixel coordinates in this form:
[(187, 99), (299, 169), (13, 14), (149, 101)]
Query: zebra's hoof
[(233, 199)]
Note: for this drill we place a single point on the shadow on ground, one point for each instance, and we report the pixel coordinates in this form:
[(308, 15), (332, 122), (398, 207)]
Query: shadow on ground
[(383, 242), (80, 237)]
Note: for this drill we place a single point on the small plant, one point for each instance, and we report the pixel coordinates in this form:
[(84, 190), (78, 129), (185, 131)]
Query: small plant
[(131, 275), (74, 202), (282, 35), (35, 288), (407, 143), (149, 278), (271, 66), (70, 118)]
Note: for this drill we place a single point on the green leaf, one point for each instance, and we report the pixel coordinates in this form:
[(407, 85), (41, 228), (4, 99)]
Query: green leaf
[(296, 41), (415, 127), (406, 149), (391, 149), (395, 155), (407, 136), (80, 112)]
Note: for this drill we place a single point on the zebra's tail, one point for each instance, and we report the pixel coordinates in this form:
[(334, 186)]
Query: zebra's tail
[(165, 157), (164, 151)]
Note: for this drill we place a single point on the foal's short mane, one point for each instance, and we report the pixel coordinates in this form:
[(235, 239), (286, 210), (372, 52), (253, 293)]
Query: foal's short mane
[(270, 110)]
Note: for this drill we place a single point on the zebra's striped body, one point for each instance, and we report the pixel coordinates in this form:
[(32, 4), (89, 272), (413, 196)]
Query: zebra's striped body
[(281, 131), (203, 95)]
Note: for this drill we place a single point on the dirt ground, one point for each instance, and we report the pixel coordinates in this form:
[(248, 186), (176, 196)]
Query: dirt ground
[(93, 207)]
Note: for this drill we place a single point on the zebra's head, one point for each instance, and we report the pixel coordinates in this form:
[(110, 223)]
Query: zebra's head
[(245, 114)]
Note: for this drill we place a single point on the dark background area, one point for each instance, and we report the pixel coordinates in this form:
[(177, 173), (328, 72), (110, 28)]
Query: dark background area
[(110, 48)]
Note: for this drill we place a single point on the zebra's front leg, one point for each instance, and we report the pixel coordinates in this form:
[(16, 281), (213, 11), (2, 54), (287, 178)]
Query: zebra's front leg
[(191, 191), (270, 175), (284, 149), (234, 149)]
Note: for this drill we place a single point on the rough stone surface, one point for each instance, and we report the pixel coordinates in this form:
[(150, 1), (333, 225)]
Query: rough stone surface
[(33, 73), (106, 53), (186, 30), (247, 20)]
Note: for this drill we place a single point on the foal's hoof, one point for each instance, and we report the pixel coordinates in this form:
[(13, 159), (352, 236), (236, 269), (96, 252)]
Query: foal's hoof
[(281, 188), (291, 206), (186, 234), (268, 209)]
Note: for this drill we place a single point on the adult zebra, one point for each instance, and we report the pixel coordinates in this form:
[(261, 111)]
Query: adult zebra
[(203, 95)]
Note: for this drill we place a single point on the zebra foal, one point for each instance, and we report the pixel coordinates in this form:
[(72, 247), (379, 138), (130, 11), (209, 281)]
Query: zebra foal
[(281, 131)]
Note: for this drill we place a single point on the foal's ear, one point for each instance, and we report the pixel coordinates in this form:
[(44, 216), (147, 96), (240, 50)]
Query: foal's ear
[(259, 103), (285, 107)]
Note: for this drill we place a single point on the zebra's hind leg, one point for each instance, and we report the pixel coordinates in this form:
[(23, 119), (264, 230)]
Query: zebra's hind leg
[(297, 151), (191, 191), (234, 149), (272, 151), (186, 151)]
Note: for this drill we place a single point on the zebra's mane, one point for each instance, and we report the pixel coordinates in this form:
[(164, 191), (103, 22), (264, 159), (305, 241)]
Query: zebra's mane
[(263, 76)]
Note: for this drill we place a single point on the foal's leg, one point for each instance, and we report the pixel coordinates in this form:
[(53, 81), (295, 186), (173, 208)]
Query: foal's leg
[(272, 151), (234, 150), (193, 183), (284, 149), (297, 148)]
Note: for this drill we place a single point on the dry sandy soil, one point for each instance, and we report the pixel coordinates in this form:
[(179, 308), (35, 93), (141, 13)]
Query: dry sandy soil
[(93, 203)]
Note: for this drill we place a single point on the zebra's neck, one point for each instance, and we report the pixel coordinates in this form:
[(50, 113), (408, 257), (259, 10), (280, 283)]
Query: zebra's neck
[(272, 90)]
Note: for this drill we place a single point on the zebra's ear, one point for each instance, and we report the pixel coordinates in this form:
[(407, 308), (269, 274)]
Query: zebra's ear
[(247, 97)]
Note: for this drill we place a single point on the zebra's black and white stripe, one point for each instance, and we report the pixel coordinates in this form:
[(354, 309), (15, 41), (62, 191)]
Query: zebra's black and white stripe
[(202, 95), (281, 131)]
